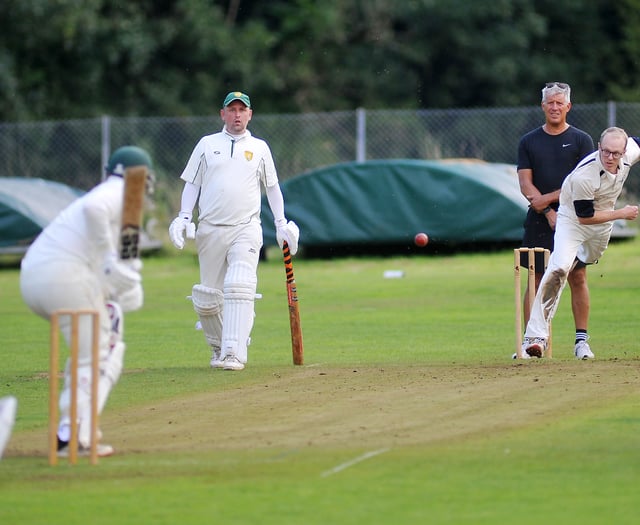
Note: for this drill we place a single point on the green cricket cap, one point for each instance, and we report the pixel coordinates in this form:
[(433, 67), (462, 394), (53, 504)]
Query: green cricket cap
[(237, 95)]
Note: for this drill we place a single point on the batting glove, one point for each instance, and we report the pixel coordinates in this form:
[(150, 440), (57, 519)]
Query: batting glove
[(120, 276), (132, 299), (180, 226), (287, 231)]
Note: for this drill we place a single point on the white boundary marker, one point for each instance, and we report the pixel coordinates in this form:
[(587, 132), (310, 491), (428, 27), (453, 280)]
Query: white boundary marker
[(352, 462)]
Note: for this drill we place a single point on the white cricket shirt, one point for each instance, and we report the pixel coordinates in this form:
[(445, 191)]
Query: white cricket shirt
[(591, 181), (85, 231), (229, 172)]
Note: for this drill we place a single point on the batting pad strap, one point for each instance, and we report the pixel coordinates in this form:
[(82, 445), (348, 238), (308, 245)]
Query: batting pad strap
[(116, 318)]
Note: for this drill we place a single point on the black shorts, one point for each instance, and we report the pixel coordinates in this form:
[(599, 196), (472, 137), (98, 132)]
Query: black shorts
[(537, 234)]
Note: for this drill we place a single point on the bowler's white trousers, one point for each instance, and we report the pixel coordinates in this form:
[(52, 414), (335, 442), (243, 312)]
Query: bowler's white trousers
[(571, 240)]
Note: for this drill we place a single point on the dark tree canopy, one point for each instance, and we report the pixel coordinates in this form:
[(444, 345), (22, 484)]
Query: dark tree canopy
[(79, 59)]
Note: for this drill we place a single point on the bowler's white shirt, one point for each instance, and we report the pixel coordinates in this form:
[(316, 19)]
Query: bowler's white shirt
[(591, 181)]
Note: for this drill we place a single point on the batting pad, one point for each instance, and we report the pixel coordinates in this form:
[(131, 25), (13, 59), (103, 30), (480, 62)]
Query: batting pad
[(208, 303), (239, 294)]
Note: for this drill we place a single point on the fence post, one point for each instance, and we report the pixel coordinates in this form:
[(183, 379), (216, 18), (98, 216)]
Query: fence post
[(361, 135), (611, 113), (106, 143)]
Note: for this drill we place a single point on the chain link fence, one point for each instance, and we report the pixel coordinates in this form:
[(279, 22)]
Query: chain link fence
[(75, 151)]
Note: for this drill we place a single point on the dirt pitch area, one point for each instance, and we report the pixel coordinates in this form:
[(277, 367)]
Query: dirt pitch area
[(390, 406)]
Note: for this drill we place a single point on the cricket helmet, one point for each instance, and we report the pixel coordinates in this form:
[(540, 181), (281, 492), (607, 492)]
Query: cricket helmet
[(125, 157)]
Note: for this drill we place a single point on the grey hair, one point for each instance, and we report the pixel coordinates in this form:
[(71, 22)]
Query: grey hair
[(616, 130), (556, 88)]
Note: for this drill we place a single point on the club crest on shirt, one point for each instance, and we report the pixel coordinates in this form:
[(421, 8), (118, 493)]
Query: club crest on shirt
[(248, 155)]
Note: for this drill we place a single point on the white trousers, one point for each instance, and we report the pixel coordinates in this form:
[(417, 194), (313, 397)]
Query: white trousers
[(53, 285), (571, 240), (48, 286), (228, 258)]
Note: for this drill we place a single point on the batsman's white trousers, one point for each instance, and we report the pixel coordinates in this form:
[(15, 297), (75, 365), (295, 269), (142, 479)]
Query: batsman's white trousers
[(52, 285), (48, 286), (222, 247)]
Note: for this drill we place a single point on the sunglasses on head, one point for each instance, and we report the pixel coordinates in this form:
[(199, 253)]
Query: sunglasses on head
[(561, 85)]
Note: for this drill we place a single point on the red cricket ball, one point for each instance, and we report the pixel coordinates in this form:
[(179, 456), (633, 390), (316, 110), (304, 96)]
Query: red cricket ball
[(421, 239)]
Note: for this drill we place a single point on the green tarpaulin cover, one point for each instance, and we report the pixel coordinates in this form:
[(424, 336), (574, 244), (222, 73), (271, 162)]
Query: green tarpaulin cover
[(28, 205), (389, 201)]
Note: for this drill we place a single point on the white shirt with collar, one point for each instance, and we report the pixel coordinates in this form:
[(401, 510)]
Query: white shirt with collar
[(591, 181), (229, 170)]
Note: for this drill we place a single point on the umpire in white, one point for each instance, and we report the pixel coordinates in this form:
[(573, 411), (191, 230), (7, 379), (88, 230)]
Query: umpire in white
[(224, 176)]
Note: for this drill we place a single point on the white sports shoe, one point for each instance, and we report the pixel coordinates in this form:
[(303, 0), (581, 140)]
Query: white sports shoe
[(583, 350), (103, 450), (231, 362), (216, 362), (8, 407), (524, 355), (534, 346)]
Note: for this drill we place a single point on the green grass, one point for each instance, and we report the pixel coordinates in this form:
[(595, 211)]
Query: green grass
[(408, 409)]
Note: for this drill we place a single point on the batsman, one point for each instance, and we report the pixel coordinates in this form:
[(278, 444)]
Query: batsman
[(87, 259), (224, 176)]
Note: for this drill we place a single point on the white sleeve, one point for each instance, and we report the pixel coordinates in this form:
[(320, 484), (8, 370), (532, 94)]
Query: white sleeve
[(196, 164), (189, 198), (276, 202), (99, 210), (633, 150)]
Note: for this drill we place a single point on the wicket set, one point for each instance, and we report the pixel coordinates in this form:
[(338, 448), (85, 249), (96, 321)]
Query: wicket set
[(531, 269), (54, 357)]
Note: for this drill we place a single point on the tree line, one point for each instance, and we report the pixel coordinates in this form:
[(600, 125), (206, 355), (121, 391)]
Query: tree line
[(67, 59)]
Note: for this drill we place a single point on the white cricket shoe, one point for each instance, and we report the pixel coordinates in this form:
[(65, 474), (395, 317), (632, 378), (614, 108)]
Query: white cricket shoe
[(524, 355), (8, 407), (534, 346), (104, 450), (231, 362), (583, 350), (216, 362)]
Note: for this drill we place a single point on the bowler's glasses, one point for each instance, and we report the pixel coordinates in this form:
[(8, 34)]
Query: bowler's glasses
[(561, 85), (614, 154)]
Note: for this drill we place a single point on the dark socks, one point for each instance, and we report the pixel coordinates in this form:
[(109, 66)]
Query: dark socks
[(581, 335)]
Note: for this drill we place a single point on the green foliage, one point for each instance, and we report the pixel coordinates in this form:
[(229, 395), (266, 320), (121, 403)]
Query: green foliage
[(69, 59)]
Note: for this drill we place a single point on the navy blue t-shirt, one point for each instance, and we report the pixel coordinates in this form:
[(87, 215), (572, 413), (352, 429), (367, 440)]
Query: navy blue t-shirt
[(552, 158)]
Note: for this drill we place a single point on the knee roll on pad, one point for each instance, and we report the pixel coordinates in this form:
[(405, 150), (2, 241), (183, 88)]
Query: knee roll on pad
[(206, 301), (208, 304), (240, 282)]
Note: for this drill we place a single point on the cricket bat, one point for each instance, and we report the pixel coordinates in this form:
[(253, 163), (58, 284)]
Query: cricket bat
[(294, 312), (135, 181)]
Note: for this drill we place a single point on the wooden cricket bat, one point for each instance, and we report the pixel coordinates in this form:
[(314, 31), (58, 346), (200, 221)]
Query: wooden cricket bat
[(294, 312), (135, 181)]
